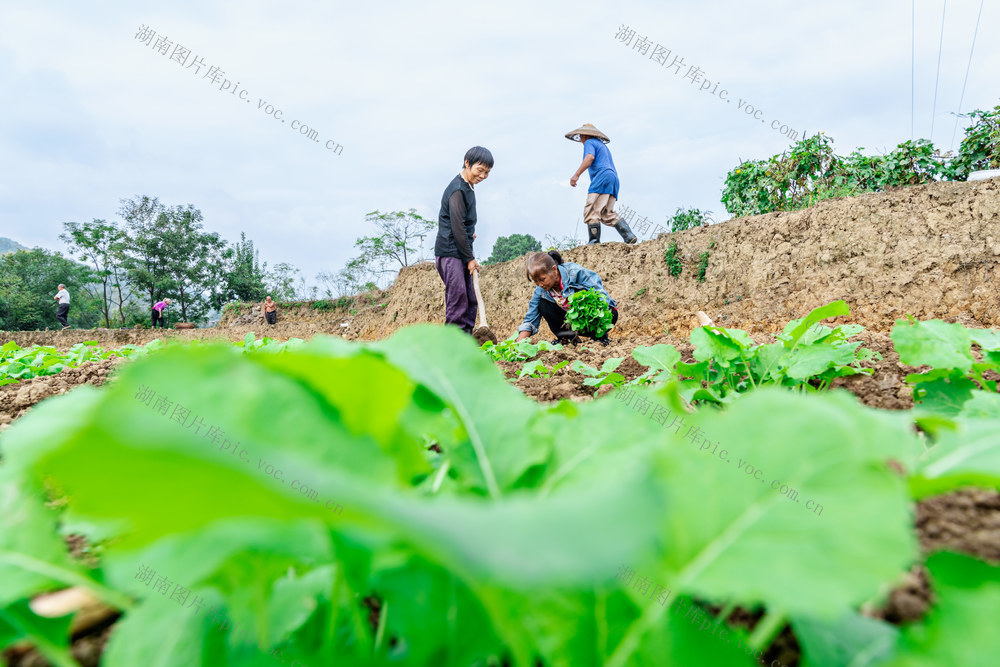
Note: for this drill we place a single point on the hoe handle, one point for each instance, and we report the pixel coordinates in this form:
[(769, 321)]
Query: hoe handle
[(479, 299)]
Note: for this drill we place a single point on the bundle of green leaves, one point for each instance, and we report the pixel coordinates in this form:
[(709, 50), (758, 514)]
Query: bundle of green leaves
[(589, 313)]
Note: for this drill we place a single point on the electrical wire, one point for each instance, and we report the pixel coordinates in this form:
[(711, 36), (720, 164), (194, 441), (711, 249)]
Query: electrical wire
[(967, 68), (937, 77)]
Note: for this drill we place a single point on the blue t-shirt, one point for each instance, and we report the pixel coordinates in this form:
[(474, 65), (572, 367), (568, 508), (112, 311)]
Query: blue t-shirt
[(603, 176)]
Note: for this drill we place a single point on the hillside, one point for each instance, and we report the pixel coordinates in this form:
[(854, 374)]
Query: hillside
[(928, 251), (9, 245)]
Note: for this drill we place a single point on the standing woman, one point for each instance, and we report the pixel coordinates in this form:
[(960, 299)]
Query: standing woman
[(453, 254)]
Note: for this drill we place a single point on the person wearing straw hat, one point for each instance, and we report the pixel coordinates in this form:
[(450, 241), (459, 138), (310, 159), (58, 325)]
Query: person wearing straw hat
[(603, 192)]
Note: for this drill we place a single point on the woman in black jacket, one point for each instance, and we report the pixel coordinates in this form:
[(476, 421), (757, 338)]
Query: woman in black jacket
[(453, 254)]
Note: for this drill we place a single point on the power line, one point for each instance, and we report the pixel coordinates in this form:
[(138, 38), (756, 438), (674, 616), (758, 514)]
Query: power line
[(913, 58), (967, 68), (937, 77), (913, 61)]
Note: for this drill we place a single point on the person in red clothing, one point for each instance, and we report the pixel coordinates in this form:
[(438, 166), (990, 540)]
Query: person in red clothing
[(158, 312)]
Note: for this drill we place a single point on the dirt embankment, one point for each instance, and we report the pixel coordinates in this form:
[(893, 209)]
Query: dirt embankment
[(928, 251)]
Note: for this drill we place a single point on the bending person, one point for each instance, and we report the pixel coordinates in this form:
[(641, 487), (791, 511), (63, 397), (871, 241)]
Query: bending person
[(555, 281), (158, 312)]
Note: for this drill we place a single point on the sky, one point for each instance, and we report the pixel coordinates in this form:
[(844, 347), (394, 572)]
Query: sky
[(92, 114)]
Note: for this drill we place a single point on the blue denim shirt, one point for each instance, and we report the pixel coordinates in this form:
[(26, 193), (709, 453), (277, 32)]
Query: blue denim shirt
[(575, 278)]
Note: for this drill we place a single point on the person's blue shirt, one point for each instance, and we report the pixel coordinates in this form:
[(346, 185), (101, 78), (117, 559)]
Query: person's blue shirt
[(603, 175), (574, 279)]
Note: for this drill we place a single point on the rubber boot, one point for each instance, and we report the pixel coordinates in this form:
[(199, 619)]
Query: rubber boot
[(623, 229), (594, 233)]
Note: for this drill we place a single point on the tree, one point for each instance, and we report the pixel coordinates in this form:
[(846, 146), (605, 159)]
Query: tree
[(100, 244), (566, 243), (281, 282), (393, 247), (30, 279), (17, 308), (246, 277), (143, 254), (188, 254), (511, 247)]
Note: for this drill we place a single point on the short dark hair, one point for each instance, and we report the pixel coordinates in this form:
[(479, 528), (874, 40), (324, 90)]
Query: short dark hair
[(480, 155)]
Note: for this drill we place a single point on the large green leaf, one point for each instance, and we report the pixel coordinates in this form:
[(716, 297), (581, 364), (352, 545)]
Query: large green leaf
[(960, 628), (969, 456), (33, 557), (493, 413), (49, 635), (712, 343), (518, 542), (933, 343), (845, 533), (796, 329), (817, 358), (660, 357), (850, 641), (162, 633)]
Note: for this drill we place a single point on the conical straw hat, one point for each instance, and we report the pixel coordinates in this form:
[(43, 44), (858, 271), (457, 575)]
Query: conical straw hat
[(587, 130)]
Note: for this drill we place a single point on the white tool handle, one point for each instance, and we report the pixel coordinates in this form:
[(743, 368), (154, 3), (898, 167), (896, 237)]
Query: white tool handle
[(479, 299)]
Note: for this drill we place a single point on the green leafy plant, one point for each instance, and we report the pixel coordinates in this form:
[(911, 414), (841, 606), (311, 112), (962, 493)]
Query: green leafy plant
[(807, 358), (18, 363), (604, 375), (512, 350), (486, 531), (473, 553), (956, 377), (589, 313), (670, 256), (537, 369), (980, 148), (702, 266), (688, 218)]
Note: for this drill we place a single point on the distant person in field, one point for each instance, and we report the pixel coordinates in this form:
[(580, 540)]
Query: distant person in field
[(270, 310), (62, 310), (555, 281), (453, 254), (603, 191), (158, 309)]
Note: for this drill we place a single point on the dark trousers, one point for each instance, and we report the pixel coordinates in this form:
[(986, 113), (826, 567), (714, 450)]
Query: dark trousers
[(61, 312), (271, 317), (459, 294), (157, 317), (555, 316)]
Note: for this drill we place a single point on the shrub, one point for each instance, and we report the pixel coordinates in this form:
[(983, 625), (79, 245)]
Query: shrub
[(674, 265), (702, 266), (688, 218)]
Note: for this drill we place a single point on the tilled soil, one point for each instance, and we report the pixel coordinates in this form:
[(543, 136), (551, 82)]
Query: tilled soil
[(16, 399)]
